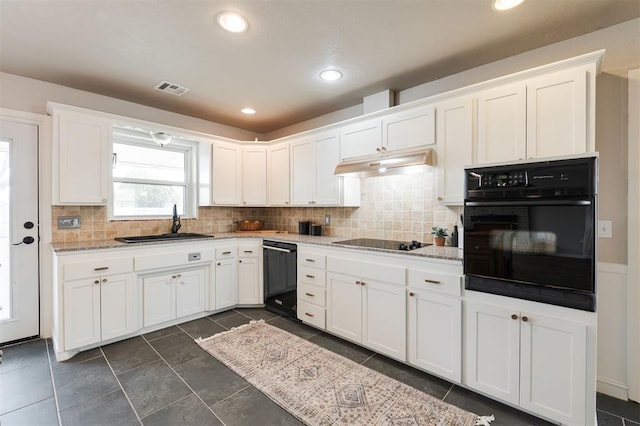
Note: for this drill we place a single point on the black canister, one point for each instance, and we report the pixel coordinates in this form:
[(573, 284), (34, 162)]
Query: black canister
[(304, 228), (316, 230)]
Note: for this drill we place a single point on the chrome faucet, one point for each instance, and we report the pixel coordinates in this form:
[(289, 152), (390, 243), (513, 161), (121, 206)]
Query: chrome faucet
[(175, 225)]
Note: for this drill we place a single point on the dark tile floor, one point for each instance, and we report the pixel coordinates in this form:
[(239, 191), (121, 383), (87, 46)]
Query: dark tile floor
[(164, 378)]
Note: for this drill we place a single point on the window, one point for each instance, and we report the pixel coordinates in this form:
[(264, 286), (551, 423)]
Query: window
[(148, 179)]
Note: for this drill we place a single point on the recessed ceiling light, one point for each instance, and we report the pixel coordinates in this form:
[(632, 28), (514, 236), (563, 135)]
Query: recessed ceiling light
[(505, 4), (232, 22), (330, 75), (248, 111)]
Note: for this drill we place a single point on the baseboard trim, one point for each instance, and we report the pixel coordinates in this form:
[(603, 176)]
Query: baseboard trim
[(612, 388)]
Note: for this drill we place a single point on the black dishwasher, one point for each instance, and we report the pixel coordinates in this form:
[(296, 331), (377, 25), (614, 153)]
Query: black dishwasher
[(280, 275)]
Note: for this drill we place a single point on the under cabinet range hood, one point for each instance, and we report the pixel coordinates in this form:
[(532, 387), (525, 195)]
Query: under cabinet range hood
[(385, 165)]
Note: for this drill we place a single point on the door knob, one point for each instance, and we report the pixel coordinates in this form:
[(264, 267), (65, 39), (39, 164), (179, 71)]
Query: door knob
[(25, 240)]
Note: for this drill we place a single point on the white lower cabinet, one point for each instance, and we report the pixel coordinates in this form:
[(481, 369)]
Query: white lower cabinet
[(367, 311), (98, 308), (173, 295), (536, 361), (250, 287), (226, 287)]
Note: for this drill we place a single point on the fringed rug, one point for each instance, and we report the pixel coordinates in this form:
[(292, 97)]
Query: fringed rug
[(320, 387)]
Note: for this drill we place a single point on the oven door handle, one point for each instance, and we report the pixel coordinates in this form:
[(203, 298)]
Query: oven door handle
[(276, 249), (528, 203)]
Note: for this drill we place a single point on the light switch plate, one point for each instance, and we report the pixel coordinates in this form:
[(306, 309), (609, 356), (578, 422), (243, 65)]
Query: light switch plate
[(327, 219), (604, 229), (68, 222)]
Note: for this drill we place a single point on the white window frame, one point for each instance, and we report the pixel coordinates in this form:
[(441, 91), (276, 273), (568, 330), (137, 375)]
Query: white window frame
[(143, 139)]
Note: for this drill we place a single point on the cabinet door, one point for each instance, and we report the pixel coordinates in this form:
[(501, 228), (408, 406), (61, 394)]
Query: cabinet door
[(492, 350), (344, 307), (409, 129), (278, 175), (159, 299), (454, 149), (83, 158), (362, 138), (226, 283), (190, 291), (254, 176), (226, 174), (384, 318), (303, 172), (557, 114), (81, 312), (435, 334), (552, 368), (327, 185), (118, 304), (249, 283), (501, 124)]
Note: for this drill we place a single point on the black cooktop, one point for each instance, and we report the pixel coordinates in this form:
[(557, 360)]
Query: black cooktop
[(383, 244)]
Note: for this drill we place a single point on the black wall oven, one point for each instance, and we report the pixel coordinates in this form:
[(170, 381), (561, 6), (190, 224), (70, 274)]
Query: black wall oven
[(529, 231)]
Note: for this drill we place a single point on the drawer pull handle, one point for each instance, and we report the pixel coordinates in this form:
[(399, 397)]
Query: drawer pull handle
[(310, 260), (102, 268), (226, 252), (310, 294), (432, 281), (310, 276), (412, 294), (308, 314), (525, 319), (514, 317), (248, 251)]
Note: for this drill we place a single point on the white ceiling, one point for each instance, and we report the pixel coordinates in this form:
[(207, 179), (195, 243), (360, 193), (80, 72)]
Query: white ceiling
[(123, 49)]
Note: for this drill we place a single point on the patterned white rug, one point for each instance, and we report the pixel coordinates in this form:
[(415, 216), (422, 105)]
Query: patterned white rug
[(320, 387)]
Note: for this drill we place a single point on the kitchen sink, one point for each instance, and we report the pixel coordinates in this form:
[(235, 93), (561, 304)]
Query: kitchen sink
[(163, 237)]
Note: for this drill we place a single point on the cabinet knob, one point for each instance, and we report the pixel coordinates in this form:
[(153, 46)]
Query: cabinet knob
[(104, 280), (358, 282), (104, 200), (173, 277), (96, 282), (286, 202), (378, 149), (412, 294), (362, 283), (514, 317), (240, 261), (440, 198), (384, 148), (219, 263), (525, 319)]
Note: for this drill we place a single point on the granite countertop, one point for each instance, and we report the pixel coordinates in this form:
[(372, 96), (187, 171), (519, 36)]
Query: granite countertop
[(447, 253)]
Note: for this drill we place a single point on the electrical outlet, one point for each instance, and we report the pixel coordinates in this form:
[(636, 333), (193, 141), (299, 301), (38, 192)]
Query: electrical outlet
[(604, 229), (68, 222), (327, 219)]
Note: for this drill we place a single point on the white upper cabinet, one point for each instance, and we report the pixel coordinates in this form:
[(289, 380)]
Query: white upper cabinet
[(501, 124), (454, 148), (226, 173), (254, 175), (545, 116), (393, 131), (557, 114), (409, 129), (361, 138), (81, 157), (313, 183), (278, 174)]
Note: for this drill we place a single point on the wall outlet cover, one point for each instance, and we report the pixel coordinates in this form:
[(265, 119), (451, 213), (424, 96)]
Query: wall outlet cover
[(327, 219), (604, 229), (68, 222)]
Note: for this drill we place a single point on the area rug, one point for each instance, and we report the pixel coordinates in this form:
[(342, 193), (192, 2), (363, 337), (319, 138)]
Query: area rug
[(320, 387)]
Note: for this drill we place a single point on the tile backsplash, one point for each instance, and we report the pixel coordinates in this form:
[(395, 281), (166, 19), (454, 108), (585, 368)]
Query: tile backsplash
[(392, 207)]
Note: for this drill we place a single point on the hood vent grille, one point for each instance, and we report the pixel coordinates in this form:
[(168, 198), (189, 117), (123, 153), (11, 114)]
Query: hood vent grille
[(174, 89), (386, 165)]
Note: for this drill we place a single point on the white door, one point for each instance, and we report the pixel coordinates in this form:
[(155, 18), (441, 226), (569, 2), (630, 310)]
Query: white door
[(385, 312), (190, 292), (19, 308), (344, 306)]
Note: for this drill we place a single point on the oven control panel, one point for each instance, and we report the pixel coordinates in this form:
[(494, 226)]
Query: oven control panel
[(504, 179)]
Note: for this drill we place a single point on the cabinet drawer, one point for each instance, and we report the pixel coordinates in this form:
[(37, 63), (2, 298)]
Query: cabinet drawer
[(311, 294), (376, 271), (435, 281), (170, 259), (225, 252), (312, 276), (311, 314), (249, 251), (73, 271), (314, 260)]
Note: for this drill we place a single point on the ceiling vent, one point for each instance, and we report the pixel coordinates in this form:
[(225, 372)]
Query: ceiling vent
[(174, 89)]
